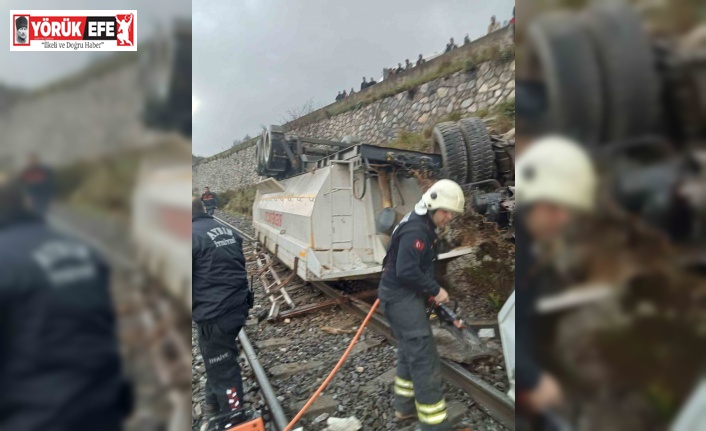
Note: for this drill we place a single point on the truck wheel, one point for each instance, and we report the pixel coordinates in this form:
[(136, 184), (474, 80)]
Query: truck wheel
[(259, 159), (628, 66), (448, 141), (481, 158), (561, 47), (273, 149)]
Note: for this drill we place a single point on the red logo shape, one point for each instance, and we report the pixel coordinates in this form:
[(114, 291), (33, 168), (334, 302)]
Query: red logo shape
[(419, 245)]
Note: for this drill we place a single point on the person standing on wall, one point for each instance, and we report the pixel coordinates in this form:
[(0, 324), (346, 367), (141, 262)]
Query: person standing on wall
[(210, 200), (406, 285), (494, 25), (221, 298), (421, 60), (451, 45)]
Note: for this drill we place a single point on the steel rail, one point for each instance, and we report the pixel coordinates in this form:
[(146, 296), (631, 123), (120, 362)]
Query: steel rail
[(243, 234), (497, 404), (278, 416)]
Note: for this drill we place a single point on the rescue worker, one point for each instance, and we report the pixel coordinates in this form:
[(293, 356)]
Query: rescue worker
[(406, 285), (60, 364), (221, 299), (39, 185), (364, 84), (372, 82), (210, 201), (421, 60), (555, 181)]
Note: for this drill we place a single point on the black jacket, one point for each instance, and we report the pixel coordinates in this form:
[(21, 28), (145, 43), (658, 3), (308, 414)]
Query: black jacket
[(409, 263), (210, 200), (60, 366), (219, 276)]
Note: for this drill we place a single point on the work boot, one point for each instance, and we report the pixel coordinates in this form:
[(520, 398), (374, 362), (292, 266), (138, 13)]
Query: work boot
[(405, 416), (209, 410)]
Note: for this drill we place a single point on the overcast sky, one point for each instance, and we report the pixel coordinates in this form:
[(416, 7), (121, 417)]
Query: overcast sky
[(256, 59), (32, 69)]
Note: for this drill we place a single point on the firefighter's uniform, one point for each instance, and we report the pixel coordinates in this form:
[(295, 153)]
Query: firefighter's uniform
[(221, 300), (407, 281), (60, 363)]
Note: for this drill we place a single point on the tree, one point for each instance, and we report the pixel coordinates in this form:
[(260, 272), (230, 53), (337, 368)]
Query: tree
[(298, 112)]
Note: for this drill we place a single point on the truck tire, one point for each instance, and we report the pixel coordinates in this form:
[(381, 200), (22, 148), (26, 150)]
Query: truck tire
[(630, 84), (273, 149), (259, 158), (448, 141), (481, 157), (561, 46)]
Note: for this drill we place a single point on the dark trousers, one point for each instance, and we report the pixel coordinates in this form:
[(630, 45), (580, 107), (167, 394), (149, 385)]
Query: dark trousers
[(418, 379), (210, 210), (224, 384)]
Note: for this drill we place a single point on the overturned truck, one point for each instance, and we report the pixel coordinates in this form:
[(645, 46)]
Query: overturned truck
[(327, 208)]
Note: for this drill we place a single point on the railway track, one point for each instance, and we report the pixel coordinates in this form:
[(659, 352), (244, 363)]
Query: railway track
[(156, 335), (495, 403)]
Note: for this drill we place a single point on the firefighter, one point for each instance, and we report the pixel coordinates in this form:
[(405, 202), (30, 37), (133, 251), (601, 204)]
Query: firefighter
[(406, 284), (209, 200), (555, 181), (221, 299), (60, 364)]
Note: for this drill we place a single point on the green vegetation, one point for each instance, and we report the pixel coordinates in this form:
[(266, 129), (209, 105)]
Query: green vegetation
[(410, 141), (662, 399), (496, 300), (500, 118), (407, 140), (238, 201)]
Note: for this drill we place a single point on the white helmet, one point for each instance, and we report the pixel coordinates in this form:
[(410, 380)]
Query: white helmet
[(558, 170), (445, 195)]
